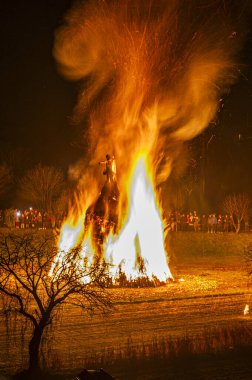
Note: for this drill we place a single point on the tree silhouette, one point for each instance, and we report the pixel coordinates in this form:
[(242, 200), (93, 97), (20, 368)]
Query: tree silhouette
[(42, 186), (37, 283), (238, 206)]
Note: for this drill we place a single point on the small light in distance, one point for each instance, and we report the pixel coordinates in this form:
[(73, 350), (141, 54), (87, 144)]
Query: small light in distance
[(246, 310)]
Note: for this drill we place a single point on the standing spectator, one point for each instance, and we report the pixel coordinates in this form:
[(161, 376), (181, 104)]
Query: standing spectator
[(220, 223), (209, 224), (213, 223), (183, 222), (17, 218), (226, 223), (22, 220), (39, 218), (26, 217), (188, 222), (173, 221), (195, 221), (31, 225), (35, 219), (191, 221), (178, 220), (9, 217), (204, 223)]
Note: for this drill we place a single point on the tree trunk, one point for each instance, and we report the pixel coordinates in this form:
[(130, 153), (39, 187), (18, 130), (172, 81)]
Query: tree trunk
[(238, 227), (233, 224), (34, 346)]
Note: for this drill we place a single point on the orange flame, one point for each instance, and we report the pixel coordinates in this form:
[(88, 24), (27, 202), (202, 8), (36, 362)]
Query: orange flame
[(156, 71)]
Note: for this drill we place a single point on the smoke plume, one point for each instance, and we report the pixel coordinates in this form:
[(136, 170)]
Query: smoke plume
[(152, 72)]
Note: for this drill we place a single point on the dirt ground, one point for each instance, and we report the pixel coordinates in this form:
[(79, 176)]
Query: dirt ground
[(204, 295)]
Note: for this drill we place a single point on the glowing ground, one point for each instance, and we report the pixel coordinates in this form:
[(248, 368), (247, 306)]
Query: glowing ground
[(213, 295)]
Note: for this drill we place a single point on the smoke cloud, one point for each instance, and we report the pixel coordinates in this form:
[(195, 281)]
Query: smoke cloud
[(152, 72)]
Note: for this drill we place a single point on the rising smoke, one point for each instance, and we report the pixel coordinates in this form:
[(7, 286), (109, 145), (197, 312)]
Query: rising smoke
[(152, 72)]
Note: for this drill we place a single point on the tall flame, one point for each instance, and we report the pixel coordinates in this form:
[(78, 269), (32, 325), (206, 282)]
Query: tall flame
[(153, 72), (142, 236)]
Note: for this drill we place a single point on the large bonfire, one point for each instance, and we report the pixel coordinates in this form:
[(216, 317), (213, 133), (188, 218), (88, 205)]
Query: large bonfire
[(153, 73)]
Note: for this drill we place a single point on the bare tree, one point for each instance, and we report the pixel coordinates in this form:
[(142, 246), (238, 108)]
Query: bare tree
[(42, 186), (37, 284), (5, 177), (238, 206)]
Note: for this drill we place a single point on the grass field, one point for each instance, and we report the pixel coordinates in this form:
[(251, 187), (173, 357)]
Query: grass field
[(149, 329)]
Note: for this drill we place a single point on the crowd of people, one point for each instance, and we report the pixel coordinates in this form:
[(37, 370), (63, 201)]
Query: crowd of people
[(29, 218), (212, 223), (174, 221)]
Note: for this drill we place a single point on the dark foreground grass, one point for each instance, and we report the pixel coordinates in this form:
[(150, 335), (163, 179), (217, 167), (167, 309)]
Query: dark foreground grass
[(217, 353), (220, 353), (226, 365), (224, 353), (210, 341)]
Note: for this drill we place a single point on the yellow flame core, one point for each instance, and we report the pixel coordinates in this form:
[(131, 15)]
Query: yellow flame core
[(142, 236), (70, 236)]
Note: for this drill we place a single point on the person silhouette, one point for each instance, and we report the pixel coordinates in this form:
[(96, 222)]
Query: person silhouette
[(110, 168)]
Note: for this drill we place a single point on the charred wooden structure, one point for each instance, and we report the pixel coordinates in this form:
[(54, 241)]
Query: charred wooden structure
[(102, 215)]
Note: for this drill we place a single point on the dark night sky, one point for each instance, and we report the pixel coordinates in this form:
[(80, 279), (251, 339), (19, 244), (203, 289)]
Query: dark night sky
[(36, 102)]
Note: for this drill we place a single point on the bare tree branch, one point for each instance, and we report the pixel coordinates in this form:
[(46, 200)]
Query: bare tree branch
[(238, 206), (31, 275), (42, 186)]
